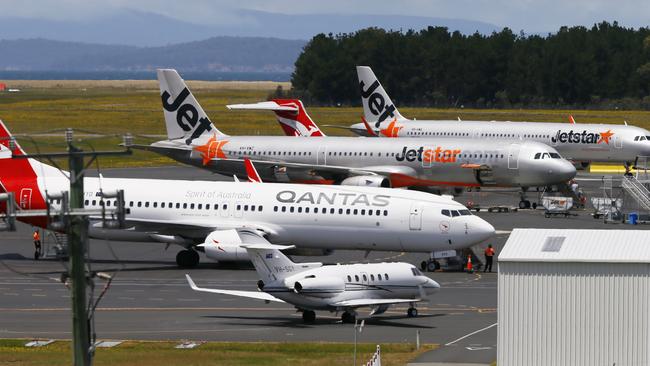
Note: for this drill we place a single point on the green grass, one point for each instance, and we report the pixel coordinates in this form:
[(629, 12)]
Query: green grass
[(117, 110), (13, 352)]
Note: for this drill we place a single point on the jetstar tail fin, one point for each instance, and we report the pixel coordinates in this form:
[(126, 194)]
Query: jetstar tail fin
[(377, 106), (290, 113), (184, 117)]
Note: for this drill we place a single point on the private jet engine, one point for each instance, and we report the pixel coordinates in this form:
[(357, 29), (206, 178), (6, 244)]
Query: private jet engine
[(319, 286), (367, 181)]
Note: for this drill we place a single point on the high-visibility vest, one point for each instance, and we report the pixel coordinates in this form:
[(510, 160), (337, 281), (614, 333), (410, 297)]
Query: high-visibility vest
[(489, 252), (36, 236)]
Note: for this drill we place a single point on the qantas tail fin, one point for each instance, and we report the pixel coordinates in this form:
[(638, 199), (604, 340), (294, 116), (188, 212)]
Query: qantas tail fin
[(290, 113), (184, 117), (253, 176), (21, 175), (377, 106)]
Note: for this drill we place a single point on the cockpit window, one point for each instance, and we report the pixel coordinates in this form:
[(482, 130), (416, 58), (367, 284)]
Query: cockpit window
[(416, 272), (641, 138), (636, 138), (648, 137), (555, 155), (454, 213), (464, 212), (537, 155), (445, 212), (547, 155)]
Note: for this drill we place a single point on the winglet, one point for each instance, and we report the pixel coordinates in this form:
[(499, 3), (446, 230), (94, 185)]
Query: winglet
[(573, 121), (192, 284), (253, 176), (368, 128)]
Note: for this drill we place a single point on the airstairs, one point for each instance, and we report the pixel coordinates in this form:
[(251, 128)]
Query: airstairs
[(637, 190)]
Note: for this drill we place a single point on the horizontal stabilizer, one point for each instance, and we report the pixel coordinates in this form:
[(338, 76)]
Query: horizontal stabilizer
[(249, 294), (265, 106)]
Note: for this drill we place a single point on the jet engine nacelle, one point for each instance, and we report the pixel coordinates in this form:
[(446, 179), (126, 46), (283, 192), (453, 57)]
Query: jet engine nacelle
[(319, 286), (225, 246), (367, 181), (226, 253)]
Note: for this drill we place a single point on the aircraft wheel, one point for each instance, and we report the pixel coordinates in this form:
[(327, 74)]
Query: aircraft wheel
[(187, 258), (524, 204), (534, 205), (348, 317), (308, 316), (433, 266), (423, 265), (412, 312)]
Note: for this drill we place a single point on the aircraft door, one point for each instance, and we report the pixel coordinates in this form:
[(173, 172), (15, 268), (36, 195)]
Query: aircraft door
[(513, 156), (415, 217), (618, 142), (321, 156), (428, 157), (26, 198)]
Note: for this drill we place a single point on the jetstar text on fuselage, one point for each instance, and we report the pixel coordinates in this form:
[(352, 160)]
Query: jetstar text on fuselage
[(439, 155), (583, 137)]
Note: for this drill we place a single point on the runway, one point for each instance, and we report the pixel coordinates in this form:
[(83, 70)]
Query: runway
[(150, 299)]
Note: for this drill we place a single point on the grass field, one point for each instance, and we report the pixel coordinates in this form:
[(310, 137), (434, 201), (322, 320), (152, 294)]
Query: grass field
[(117, 107), (13, 352)]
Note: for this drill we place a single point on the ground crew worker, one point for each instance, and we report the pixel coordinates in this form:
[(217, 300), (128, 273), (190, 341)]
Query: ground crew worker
[(37, 244), (489, 255)]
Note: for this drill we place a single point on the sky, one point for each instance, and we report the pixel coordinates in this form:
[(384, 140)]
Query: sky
[(531, 16)]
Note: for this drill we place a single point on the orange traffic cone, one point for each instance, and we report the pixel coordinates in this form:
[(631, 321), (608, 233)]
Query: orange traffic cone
[(470, 268)]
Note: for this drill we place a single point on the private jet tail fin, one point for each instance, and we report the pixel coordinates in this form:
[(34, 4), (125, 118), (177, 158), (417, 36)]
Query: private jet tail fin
[(271, 264), (184, 117), (377, 106), (290, 113), (251, 172)]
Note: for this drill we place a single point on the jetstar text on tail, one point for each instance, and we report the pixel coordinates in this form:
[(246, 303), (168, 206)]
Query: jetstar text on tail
[(439, 155), (583, 137), (376, 102), (187, 117)]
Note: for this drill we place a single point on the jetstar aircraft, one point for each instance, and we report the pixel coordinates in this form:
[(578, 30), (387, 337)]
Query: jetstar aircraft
[(193, 139), (337, 288), (225, 215), (580, 143)]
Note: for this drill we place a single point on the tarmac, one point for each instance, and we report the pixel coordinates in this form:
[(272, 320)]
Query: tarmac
[(149, 298)]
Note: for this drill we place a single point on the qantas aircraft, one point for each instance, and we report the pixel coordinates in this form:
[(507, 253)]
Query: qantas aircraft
[(193, 139), (312, 286), (581, 143), (224, 215)]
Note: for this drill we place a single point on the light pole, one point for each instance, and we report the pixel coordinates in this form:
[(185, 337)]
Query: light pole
[(359, 327)]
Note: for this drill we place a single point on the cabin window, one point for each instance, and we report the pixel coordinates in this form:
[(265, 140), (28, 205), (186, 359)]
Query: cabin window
[(315, 209), (347, 211), (155, 204), (363, 211), (191, 206), (386, 276), (332, 211), (178, 205), (284, 208), (349, 278), (238, 207), (139, 203), (86, 203), (207, 206), (365, 278), (356, 278), (245, 207), (372, 277), (162, 204), (200, 206), (378, 213), (355, 211), (385, 212), (216, 206), (291, 209), (306, 209), (299, 209), (379, 277)]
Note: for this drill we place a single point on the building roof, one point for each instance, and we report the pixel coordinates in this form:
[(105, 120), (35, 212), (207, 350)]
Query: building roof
[(563, 245)]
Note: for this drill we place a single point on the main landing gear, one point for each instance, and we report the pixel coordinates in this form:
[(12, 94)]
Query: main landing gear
[(348, 317), (412, 312), (187, 258), (308, 316)]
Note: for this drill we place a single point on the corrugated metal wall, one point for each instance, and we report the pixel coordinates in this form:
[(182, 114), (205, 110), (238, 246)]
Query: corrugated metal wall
[(573, 314)]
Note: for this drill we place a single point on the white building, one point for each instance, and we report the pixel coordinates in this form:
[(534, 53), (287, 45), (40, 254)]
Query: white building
[(574, 297)]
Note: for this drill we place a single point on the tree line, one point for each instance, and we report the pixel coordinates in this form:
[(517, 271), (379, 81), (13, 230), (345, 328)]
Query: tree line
[(606, 64)]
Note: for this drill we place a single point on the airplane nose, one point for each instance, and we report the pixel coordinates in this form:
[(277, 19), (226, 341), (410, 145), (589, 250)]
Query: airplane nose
[(480, 229), (566, 171), (430, 286)]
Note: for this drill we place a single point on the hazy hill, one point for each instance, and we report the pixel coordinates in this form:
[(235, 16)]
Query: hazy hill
[(213, 54)]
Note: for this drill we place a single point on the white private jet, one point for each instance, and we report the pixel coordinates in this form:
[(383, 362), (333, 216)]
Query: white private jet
[(336, 288), (225, 215)]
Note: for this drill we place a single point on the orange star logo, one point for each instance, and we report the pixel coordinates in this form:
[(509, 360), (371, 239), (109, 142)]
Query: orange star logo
[(212, 149), (392, 130), (605, 136)]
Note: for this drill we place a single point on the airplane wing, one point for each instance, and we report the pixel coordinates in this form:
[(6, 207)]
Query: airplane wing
[(371, 302), (264, 167), (249, 294)]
